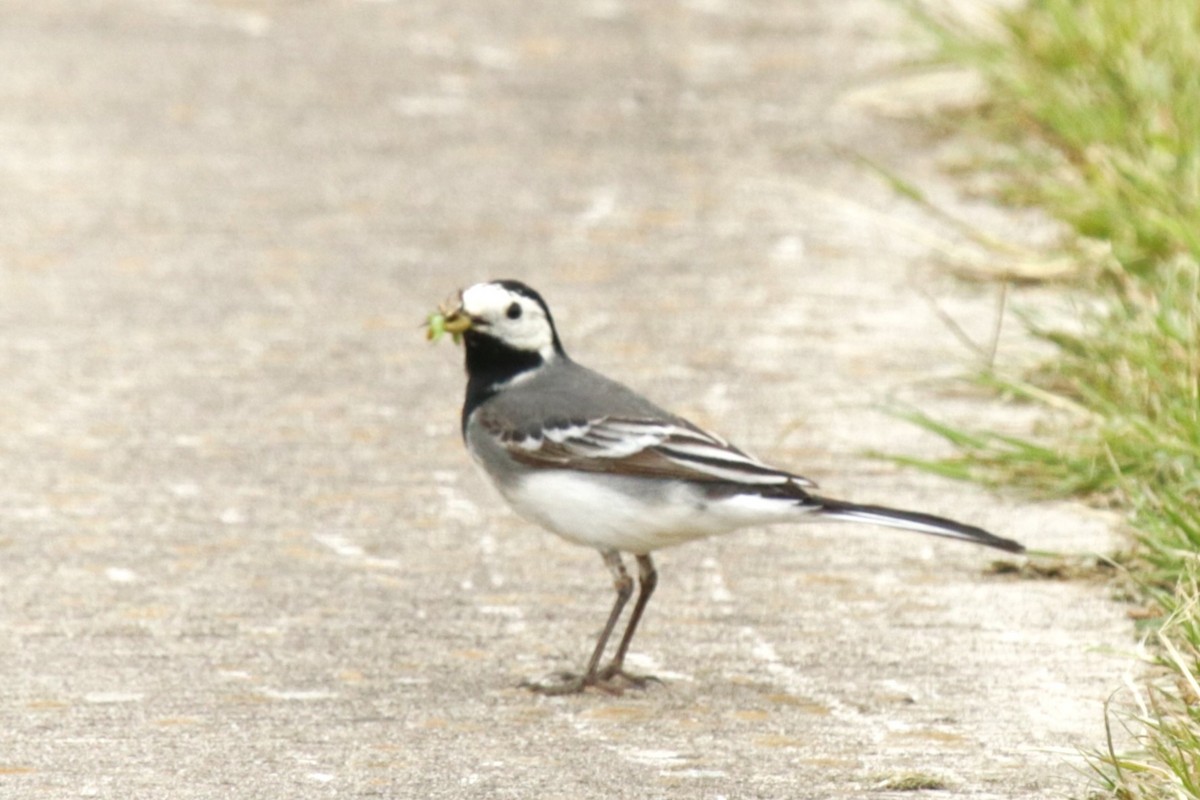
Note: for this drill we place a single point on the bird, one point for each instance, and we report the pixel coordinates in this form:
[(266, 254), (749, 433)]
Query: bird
[(601, 466)]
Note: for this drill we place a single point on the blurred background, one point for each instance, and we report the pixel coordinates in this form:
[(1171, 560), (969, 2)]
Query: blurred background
[(243, 552)]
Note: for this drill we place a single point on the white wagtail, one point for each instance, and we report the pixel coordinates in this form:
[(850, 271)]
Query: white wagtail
[(602, 466)]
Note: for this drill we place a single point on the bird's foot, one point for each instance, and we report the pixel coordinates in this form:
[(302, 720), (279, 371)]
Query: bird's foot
[(615, 677), (558, 683), (610, 680)]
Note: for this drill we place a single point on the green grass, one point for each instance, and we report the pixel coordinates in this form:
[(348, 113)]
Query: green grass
[(1102, 101), (1110, 90), (1166, 725)]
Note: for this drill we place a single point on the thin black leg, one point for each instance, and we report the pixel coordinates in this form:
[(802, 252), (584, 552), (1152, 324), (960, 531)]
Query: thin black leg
[(647, 580), (623, 584)]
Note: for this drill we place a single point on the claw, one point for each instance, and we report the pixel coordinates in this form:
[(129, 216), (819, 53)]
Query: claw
[(559, 683), (614, 674), (611, 680)]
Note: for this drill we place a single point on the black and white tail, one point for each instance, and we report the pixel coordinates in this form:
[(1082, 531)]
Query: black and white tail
[(913, 521)]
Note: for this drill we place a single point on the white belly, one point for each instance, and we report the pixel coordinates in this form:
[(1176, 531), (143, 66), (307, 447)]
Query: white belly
[(633, 515)]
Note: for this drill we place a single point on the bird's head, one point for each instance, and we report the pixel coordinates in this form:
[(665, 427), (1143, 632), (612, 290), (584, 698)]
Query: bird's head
[(502, 314)]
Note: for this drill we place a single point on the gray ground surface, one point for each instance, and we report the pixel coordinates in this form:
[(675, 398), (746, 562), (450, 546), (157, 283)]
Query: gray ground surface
[(242, 551)]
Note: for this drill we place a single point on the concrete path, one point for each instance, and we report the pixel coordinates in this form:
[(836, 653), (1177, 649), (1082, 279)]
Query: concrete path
[(242, 551)]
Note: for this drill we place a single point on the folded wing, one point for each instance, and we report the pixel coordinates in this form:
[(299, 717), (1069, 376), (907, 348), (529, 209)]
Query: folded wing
[(642, 447)]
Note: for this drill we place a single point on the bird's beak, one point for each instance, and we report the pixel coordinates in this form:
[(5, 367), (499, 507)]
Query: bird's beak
[(446, 319), (457, 322)]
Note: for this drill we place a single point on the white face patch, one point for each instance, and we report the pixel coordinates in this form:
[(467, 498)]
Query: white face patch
[(514, 319)]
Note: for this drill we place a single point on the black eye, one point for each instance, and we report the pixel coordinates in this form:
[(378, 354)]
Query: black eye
[(514, 311)]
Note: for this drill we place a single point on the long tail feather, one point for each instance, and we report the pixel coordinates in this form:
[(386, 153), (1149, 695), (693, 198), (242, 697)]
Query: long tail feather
[(914, 521)]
